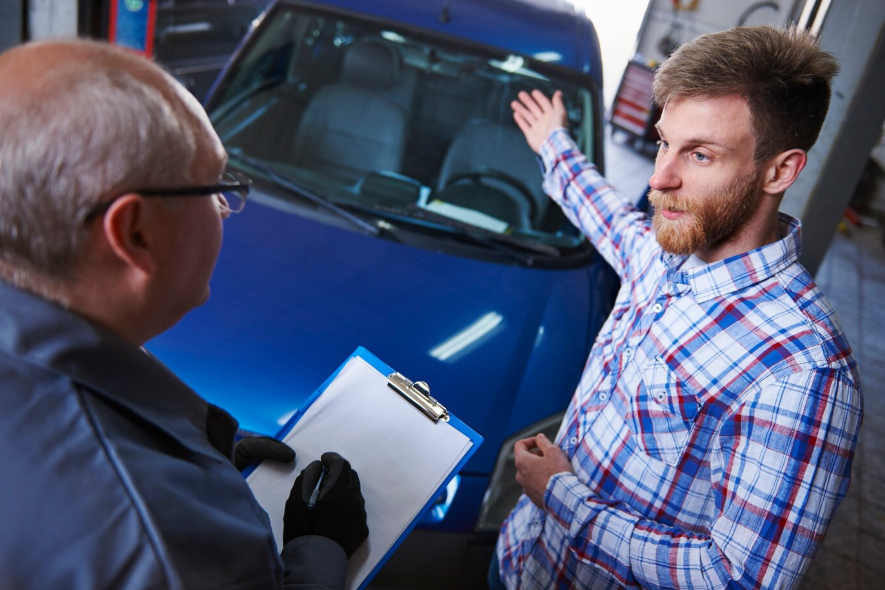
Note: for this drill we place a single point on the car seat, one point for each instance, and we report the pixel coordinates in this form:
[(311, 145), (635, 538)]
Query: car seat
[(351, 128), (485, 148)]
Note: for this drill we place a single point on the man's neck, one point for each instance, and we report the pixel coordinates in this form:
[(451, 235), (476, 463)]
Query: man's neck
[(35, 283), (760, 230), (114, 304), (101, 306)]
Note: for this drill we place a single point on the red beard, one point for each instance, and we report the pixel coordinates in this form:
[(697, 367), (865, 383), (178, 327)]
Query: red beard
[(707, 220)]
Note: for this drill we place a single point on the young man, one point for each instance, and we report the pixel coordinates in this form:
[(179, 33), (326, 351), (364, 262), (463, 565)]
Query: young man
[(710, 439), (116, 474)]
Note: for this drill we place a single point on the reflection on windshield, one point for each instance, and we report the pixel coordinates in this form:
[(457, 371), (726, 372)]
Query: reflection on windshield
[(373, 116)]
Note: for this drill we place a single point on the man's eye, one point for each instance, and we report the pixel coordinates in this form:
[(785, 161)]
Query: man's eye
[(701, 157), (663, 144)]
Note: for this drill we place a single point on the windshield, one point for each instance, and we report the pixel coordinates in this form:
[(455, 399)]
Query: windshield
[(385, 120)]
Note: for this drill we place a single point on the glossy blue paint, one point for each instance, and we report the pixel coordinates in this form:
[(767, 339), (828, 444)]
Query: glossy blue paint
[(291, 298), (294, 295), (461, 515)]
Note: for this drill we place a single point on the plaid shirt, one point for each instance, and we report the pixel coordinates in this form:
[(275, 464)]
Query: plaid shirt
[(712, 432)]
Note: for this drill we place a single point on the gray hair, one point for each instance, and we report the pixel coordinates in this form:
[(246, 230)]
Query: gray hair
[(94, 131)]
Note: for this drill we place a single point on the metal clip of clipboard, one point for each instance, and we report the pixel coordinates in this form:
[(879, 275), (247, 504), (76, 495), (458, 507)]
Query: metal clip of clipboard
[(418, 394)]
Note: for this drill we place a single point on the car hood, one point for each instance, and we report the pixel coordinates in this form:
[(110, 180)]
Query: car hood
[(292, 298)]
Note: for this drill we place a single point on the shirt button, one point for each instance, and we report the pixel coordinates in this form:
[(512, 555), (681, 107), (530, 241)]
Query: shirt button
[(658, 308), (628, 352), (573, 440), (660, 396), (603, 396)]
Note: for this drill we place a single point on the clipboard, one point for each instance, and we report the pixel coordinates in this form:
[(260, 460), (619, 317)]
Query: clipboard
[(405, 455)]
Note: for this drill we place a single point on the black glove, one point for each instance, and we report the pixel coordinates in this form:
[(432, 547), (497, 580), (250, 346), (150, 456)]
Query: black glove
[(339, 512), (258, 448)]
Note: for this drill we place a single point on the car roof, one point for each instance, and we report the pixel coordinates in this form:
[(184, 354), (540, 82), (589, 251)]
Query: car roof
[(550, 30)]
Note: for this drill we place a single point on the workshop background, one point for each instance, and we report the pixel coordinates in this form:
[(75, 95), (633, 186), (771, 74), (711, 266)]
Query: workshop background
[(840, 197)]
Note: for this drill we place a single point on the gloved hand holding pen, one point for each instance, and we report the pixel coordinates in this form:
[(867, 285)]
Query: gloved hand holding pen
[(326, 500)]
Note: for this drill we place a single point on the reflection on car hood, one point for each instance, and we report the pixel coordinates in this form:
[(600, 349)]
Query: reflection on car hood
[(292, 298)]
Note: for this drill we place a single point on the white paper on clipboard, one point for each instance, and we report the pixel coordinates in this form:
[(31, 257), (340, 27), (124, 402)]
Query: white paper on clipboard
[(401, 456)]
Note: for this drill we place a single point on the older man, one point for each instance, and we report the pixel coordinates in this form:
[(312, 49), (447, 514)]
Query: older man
[(115, 474), (710, 439)]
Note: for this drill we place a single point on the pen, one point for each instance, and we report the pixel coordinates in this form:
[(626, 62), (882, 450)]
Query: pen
[(316, 490)]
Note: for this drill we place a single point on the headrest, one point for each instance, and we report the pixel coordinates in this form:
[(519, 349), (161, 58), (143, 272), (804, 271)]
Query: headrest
[(370, 65)]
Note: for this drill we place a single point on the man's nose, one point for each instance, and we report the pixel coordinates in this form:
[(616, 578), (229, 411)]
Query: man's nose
[(223, 206), (666, 175)]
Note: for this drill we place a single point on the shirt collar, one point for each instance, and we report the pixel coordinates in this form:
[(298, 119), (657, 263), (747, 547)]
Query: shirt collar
[(741, 271)]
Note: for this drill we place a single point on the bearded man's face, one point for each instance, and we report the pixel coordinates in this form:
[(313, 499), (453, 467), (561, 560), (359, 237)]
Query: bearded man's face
[(706, 185)]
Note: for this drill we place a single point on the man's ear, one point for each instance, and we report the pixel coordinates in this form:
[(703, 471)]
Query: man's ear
[(129, 231), (782, 170)]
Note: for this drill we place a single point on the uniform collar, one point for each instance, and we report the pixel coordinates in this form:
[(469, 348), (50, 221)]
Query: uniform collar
[(738, 272), (55, 339)]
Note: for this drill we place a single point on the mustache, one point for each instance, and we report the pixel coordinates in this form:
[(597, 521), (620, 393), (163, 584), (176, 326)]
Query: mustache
[(662, 200)]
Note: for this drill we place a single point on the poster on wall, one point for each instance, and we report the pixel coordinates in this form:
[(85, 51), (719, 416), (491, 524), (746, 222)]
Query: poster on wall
[(132, 25)]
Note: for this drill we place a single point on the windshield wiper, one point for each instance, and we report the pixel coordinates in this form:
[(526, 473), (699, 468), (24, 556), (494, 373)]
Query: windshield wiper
[(523, 250), (520, 249), (317, 199)]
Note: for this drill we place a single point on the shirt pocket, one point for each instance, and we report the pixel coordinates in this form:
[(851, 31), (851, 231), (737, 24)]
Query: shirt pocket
[(662, 413)]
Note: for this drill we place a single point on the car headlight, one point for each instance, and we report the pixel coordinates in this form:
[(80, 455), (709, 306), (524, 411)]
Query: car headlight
[(503, 491)]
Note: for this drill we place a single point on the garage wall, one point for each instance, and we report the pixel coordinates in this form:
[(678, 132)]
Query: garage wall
[(665, 27)]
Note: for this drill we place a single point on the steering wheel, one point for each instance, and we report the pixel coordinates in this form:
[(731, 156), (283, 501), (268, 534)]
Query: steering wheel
[(477, 174)]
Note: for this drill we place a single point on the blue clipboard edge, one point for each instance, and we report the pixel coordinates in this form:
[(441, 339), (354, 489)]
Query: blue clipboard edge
[(385, 370)]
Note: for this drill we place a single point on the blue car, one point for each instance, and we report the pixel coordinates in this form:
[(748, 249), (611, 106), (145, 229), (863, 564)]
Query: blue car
[(397, 206)]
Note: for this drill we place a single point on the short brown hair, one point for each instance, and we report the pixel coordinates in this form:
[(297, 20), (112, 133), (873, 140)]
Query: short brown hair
[(783, 73)]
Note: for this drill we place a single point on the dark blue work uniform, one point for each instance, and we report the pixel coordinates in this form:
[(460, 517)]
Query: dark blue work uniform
[(115, 474)]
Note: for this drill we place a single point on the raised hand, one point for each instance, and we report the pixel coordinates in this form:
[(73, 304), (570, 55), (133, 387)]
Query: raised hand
[(537, 116)]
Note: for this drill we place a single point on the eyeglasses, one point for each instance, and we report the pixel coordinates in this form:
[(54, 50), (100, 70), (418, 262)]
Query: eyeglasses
[(233, 186)]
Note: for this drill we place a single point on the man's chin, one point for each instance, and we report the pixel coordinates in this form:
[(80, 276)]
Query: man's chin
[(676, 249), (673, 236)]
